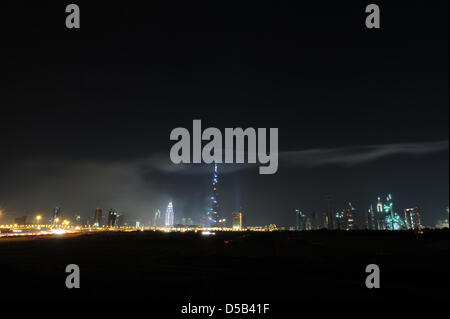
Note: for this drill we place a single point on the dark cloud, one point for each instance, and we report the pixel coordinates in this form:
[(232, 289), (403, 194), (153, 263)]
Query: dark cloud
[(354, 155), (31, 187), (346, 156)]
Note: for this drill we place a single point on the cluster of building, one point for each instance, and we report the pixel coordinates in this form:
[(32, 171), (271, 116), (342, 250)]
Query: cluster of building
[(168, 220), (211, 219), (382, 216)]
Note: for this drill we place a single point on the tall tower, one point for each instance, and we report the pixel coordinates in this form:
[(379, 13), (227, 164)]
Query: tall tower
[(412, 218), (389, 213), (300, 220), (157, 219), (380, 216), (371, 218), (112, 215), (169, 215), (98, 217), (213, 213), (238, 220), (350, 219)]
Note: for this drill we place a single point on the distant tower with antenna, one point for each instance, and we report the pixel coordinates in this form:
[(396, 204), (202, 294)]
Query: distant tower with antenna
[(213, 212)]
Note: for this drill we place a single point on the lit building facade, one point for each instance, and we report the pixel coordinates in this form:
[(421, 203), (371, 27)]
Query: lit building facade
[(157, 220), (212, 215), (346, 218), (379, 216), (443, 223), (412, 218), (112, 216), (120, 220), (300, 220), (393, 220), (170, 216), (238, 220)]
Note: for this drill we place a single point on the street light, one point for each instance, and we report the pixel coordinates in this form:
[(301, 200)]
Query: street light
[(38, 218)]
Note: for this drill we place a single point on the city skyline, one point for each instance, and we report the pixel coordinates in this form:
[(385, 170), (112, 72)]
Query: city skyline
[(360, 219), (86, 119), (221, 159)]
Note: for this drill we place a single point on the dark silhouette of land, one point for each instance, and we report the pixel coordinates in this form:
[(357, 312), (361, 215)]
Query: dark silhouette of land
[(229, 265)]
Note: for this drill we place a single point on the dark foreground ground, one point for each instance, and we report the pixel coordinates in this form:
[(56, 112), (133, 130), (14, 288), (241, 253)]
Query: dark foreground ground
[(228, 266)]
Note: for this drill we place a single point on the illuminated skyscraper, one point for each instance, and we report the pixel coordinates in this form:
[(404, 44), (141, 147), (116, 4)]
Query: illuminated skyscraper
[(238, 220), (169, 220), (393, 220), (351, 217), (389, 212), (372, 222), (112, 215), (120, 220), (300, 219), (213, 212), (98, 217), (380, 216), (443, 223), (346, 219), (157, 221), (412, 218)]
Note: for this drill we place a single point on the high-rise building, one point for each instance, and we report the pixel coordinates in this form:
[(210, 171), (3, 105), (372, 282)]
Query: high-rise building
[(393, 220), (309, 223), (389, 213), (346, 218), (380, 216), (412, 218), (157, 220), (98, 217), (213, 212), (372, 221), (316, 220), (120, 219), (169, 220), (443, 223), (112, 215), (300, 219), (237, 220), (351, 217), (362, 218)]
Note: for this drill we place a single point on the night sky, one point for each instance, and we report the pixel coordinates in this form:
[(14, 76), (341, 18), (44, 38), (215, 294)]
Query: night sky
[(86, 114)]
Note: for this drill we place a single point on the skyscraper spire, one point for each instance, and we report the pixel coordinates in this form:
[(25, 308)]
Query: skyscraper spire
[(213, 213)]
